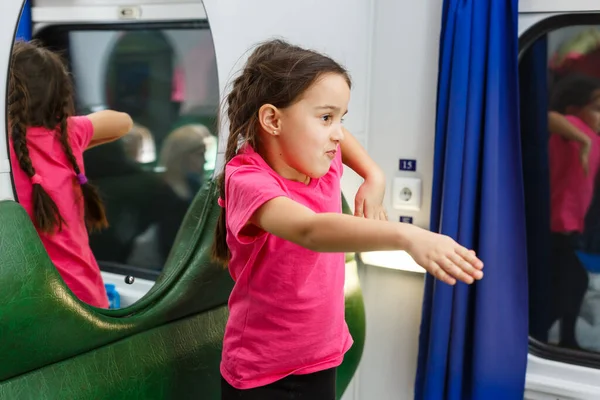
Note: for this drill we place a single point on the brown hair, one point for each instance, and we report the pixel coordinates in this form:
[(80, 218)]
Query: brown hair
[(40, 94), (276, 73)]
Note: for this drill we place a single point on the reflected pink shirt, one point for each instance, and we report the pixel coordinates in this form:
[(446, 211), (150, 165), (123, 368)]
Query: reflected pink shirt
[(571, 191), (68, 249), (287, 305)]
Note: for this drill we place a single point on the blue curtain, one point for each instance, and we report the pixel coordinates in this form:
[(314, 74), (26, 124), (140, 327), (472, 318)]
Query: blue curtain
[(24, 27), (534, 83), (473, 341)]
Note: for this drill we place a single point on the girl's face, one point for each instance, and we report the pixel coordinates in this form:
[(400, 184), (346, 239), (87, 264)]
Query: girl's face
[(590, 114), (311, 129)]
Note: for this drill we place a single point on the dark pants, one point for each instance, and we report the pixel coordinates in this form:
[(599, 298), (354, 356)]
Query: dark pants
[(569, 283), (316, 386)]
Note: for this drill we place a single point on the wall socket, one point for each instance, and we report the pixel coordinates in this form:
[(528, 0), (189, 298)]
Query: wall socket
[(406, 193)]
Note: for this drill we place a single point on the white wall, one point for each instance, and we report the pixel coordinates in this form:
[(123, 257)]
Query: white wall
[(403, 92), (401, 125)]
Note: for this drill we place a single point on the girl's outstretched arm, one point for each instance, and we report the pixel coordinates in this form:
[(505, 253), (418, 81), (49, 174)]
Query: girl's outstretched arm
[(329, 232), (369, 198), (109, 126)]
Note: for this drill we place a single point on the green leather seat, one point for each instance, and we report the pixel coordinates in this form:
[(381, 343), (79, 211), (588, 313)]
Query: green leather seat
[(166, 346)]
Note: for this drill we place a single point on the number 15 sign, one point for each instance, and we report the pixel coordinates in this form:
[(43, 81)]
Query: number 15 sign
[(408, 165)]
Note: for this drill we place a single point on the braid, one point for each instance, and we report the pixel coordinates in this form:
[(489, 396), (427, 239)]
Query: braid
[(239, 124), (95, 215), (46, 215)]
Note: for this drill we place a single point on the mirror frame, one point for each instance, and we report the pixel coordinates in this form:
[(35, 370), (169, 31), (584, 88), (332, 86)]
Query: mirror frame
[(527, 38), (8, 31), (168, 276)]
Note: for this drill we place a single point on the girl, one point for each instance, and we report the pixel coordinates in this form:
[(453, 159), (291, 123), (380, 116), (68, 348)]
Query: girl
[(574, 161), (282, 232), (47, 145)]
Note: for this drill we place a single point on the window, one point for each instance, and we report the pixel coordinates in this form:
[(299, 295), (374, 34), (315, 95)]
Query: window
[(165, 77), (559, 71)]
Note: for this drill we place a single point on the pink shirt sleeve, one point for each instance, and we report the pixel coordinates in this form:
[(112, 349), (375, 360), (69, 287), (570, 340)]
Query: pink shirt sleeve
[(81, 132), (247, 188)]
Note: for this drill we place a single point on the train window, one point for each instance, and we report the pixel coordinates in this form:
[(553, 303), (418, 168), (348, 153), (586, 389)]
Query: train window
[(559, 70), (165, 77)]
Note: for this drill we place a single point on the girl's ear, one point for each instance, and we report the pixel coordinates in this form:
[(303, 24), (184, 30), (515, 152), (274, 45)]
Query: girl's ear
[(269, 118)]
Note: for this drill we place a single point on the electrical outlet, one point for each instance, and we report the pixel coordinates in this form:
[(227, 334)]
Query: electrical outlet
[(406, 193)]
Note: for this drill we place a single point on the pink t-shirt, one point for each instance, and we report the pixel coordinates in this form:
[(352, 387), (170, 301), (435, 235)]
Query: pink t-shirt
[(287, 305), (69, 249), (571, 191)]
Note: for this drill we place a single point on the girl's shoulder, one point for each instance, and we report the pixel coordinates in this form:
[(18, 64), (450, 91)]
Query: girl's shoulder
[(247, 159), (81, 131)]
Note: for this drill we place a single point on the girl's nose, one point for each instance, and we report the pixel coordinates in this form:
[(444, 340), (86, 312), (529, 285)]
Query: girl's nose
[(338, 134)]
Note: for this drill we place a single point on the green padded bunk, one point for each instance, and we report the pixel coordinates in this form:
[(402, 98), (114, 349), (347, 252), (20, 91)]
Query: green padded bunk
[(166, 346)]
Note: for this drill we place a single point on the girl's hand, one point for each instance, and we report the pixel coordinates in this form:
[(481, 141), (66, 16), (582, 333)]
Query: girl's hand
[(443, 258), (368, 202)]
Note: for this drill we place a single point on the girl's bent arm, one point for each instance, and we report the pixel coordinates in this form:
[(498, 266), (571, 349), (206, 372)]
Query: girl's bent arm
[(330, 232), (357, 158), (369, 198), (109, 126)]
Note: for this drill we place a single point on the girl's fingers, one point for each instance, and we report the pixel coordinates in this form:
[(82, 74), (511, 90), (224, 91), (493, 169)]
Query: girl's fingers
[(440, 274), (465, 266), (454, 270), (469, 256)]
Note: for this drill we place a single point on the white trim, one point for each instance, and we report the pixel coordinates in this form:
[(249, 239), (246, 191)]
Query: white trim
[(526, 21), (571, 6), (112, 14), (6, 190), (9, 15), (549, 379), (4, 166)]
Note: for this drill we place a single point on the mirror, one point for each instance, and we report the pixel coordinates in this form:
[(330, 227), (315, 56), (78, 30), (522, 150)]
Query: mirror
[(560, 127), (166, 80)]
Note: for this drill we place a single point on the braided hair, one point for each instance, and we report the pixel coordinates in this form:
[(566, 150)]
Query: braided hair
[(40, 94)]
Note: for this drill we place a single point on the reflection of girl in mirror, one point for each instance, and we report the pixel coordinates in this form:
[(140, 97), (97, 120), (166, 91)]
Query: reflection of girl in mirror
[(572, 179), (282, 232), (47, 145)]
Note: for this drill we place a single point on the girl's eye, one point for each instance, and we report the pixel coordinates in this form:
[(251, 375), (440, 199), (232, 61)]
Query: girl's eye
[(342, 120), (326, 118)]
